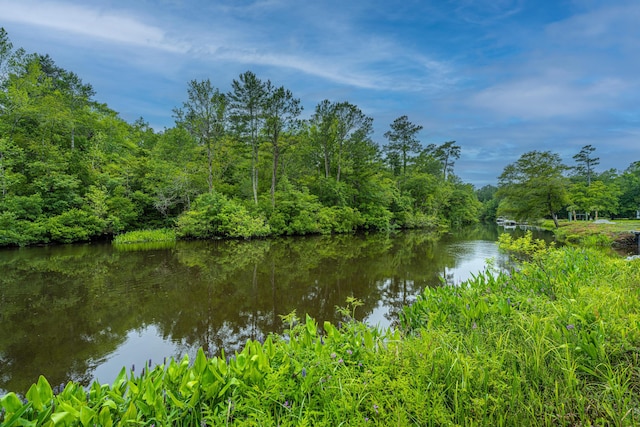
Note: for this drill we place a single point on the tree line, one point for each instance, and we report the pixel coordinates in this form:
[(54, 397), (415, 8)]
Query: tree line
[(539, 185), (239, 162)]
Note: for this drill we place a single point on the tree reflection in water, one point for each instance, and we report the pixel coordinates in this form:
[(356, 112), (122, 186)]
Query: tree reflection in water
[(68, 312)]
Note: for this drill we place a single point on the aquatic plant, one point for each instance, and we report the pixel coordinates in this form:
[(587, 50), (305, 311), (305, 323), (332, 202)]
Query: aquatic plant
[(145, 236)]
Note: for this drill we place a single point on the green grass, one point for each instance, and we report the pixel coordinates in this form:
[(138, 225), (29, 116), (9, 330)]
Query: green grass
[(555, 342), (145, 236), (592, 234)]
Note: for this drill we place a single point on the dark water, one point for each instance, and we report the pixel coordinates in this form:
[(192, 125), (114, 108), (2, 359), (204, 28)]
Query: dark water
[(82, 312)]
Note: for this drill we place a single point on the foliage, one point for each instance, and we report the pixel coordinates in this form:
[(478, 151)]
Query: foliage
[(214, 215), (525, 247), (69, 164), (629, 185), (533, 187), (144, 236), (585, 163), (74, 225), (550, 344), (402, 142)]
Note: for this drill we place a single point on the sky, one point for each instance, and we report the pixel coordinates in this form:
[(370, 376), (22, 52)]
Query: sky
[(499, 77)]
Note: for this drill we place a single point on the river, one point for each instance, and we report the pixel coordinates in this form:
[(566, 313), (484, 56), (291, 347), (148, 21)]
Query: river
[(81, 312)]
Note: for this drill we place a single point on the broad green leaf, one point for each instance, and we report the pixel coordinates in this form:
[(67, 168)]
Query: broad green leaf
[(131, 414), (200, 363), (62, 418), (105, 418), (11, 403), (175, 401), (87, 416)]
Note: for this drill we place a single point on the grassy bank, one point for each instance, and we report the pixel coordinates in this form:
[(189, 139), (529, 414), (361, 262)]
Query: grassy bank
[(590, 233), (556, 342)]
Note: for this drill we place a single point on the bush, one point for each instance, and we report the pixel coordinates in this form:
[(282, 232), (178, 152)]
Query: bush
[(74, 225), (296, 212), (19, 232), (339, 219), (213, 215)]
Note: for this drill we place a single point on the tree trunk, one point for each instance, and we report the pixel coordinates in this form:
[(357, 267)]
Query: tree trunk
[(254, 174), (276, 157), (339, 163), (326, 164), (210, 161)]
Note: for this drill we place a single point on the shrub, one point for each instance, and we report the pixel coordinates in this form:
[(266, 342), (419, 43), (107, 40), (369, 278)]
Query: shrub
[(74, 225), (213, 215), (18, 232)]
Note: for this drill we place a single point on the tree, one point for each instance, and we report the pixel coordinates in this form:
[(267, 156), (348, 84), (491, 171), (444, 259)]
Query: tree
[(603, 198), (322, 133), (585, 162), (204, 115), (246, 103), (533, 187), (75, 94), (281, 111), (352, 126), (402, 140), (629, 184), (446, 153)]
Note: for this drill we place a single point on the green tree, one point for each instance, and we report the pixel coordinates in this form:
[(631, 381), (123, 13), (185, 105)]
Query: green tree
[(402, 140), (586, 162), (75, 95), (204, 115), (533, 187), (446, 153), (246, 103), (321, 131), (629, 184), (603, 197), (336, 128), (281, 111), (352, 127), (487, 196)]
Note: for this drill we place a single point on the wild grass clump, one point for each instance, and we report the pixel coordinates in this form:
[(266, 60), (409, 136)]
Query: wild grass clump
[(145, 236), (556, 342)]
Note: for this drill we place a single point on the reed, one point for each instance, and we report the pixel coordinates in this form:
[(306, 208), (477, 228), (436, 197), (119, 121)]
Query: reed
[(145, 236)]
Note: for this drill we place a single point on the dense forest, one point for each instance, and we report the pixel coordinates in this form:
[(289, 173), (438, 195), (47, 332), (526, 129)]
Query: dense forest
[(237, 163), (243, 163)]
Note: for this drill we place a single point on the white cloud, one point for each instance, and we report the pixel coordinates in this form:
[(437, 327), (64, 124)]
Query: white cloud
[(536, 98), (113, 26)]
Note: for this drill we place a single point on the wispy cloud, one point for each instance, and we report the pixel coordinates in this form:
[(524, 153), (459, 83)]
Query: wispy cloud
[(540, 98), (81, 20)]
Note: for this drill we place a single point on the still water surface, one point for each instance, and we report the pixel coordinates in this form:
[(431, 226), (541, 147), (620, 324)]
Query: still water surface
[(82, 312)]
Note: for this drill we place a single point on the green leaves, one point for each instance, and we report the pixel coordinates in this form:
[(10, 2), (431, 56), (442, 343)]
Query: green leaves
[(533, 187)]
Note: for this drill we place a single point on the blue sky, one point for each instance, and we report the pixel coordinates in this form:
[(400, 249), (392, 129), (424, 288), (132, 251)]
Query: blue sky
[(500, 77)]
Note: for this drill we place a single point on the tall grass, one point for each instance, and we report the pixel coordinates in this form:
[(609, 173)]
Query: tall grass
[(145, 236)]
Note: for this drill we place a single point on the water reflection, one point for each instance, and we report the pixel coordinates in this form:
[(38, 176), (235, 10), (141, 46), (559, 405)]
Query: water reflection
[(82, 312)]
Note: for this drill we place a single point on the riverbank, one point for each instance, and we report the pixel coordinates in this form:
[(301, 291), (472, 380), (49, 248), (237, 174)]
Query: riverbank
[(554, 343), (604, 233)]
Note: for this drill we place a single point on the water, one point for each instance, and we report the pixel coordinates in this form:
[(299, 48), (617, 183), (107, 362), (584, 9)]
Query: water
[(82, 312)]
